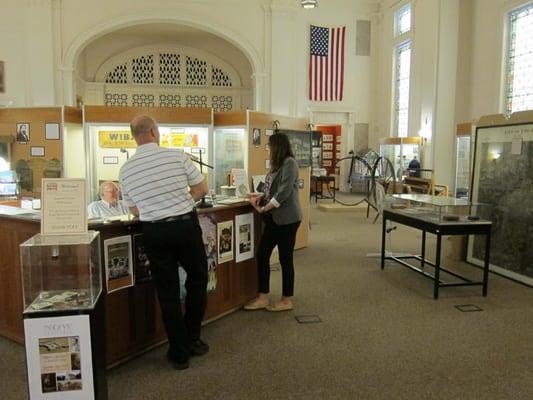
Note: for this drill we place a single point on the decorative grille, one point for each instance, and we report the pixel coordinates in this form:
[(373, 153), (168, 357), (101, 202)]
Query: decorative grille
[(169, 100), (195, 101), (196, 72), (143, 69), (116, 99), (222, 103), (402, 79), (219, 77), (118, 75), (519, 94), (169, 69), (143, 100)]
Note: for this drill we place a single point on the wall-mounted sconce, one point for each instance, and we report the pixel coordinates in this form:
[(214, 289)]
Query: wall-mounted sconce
[(308, 4), (425, 131)]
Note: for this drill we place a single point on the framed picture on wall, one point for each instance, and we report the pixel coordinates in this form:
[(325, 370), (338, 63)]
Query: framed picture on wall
[(327, 146), (37, 151), (23, 132), (51, 131), (328, 137)]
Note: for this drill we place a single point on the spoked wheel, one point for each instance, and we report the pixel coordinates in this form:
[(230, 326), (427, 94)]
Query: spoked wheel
[(383, 181), (360, 171)]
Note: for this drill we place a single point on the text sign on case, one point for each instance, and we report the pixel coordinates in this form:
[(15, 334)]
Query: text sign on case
[(64, 206)]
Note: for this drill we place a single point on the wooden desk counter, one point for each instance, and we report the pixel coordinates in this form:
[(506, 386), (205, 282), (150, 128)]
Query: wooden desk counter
[(133, 318)]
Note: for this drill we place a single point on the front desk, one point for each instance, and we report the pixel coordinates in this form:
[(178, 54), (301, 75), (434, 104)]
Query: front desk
[(133, 320)]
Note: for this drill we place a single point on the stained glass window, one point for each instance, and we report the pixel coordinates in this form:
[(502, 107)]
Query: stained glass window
[(519, 94)]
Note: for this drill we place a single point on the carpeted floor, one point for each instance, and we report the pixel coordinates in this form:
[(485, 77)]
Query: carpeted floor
[(381, 335)]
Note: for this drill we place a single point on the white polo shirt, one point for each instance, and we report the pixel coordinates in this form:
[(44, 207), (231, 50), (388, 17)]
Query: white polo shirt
[(156, 181)]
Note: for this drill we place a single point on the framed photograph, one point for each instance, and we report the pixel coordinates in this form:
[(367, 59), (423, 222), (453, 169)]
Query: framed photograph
[(110, 160), (501, 176), (256, 137), (244, 231), (269, 132), (51, 131), (327, 155), (23, 132), (225, 241), (326, 163), (328, 137), (327, 146), (2, 78), (118, 263), (37, 151)]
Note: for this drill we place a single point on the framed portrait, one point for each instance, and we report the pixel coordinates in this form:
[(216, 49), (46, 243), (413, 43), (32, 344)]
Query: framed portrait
[(2, 78), (327, 146), (23, 132), (118, 263), (327, 137), (327, 155), (51, 131), (256, 137)]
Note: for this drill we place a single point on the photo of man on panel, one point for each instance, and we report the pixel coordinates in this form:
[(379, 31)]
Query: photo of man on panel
[(23, 132)]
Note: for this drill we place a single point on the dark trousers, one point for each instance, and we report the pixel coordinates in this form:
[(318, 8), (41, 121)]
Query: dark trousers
[(167, 243), (284, 236)]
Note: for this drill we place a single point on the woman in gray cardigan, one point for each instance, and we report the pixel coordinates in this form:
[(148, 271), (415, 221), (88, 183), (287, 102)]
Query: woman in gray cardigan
[(282, 215)]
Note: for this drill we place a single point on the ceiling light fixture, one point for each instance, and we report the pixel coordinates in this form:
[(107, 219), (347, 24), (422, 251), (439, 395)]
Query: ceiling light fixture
[(309, 3)]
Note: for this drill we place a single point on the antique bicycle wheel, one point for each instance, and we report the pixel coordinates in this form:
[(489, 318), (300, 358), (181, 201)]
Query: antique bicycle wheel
[(359, 172), (383, 175)]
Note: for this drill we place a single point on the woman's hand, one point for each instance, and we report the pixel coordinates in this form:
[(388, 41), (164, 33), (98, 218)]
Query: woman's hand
[(254, 201)]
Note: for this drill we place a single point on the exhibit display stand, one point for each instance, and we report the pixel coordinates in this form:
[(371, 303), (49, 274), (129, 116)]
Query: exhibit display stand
[(64, 319)]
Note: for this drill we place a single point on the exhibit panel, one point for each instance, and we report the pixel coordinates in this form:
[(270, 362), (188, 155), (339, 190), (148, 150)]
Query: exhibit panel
[(463, 158), (501, 176)]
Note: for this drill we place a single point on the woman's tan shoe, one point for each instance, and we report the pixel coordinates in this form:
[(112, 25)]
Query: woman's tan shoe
[(256, 305), (279, 306)]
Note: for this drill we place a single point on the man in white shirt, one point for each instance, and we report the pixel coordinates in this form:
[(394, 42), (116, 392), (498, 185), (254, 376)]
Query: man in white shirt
[(109, 205), (161, 186)]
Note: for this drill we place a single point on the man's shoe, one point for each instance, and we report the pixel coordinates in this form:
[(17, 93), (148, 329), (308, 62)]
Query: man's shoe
[(199, 347), (178, 363)]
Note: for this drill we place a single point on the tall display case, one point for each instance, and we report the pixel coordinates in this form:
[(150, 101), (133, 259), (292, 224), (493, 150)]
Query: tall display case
[(400, 151), (501, 175), (230, 151), (63, 316)]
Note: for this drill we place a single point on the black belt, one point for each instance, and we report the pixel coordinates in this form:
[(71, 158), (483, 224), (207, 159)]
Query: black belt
[(182, 217)]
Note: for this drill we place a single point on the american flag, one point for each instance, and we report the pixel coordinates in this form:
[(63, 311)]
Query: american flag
[(326, 64)]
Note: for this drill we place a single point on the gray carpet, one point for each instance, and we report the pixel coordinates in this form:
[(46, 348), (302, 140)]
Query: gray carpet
[(382, 335)]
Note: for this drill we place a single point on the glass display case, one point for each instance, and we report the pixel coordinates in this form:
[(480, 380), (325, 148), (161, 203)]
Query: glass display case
[(462, 167), (231, 151), (110, 146), (400, 151), (61, 272), (438, 209)]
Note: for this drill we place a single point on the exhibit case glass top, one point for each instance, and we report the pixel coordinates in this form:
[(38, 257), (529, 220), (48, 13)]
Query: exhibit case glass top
[(61, 272), (439, 209)]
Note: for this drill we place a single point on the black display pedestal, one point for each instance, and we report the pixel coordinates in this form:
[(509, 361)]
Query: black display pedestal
[(97, 337)]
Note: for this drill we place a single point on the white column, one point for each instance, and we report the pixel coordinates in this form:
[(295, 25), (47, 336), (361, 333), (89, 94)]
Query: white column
[(259, 91)]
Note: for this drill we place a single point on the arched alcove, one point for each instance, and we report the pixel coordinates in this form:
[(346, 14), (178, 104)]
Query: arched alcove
[(94, 47)]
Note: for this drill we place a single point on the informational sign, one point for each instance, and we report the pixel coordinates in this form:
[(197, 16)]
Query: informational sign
[(59, 361), (116, 139), (64, 206), (225, 241), (118, 263), (244, 231)]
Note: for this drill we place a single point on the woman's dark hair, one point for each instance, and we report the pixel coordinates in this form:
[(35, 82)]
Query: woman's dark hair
[(280, 149)]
